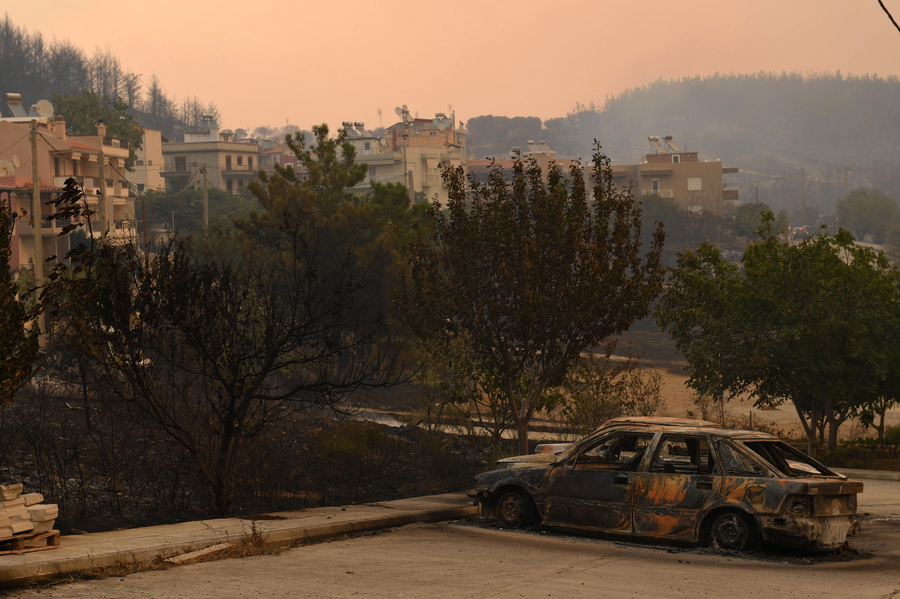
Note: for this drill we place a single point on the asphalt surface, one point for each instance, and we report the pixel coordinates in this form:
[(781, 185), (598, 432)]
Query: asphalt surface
[(87, 553)]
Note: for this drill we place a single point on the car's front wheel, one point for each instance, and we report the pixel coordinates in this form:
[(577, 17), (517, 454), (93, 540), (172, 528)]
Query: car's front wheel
[(733, 531), (515, 510)]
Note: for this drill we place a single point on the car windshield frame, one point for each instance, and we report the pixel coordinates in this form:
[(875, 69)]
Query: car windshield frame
[(772, 452)]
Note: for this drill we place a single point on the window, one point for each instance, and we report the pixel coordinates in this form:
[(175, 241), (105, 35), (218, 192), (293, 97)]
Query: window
[(228, 163), (695, 183), (654, 185), (367, 146), (617, 452), (149, 163), (736, 463), (139, 163), (57, 166), (229, 184), (675, 158), (181, 164), (250, 161), (240, 160), (683, 455)]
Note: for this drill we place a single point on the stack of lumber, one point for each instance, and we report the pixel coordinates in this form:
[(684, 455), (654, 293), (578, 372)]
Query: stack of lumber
[(21, 514)]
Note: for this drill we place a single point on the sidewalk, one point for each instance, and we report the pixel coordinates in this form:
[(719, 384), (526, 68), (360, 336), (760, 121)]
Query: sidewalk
[(96, 551)]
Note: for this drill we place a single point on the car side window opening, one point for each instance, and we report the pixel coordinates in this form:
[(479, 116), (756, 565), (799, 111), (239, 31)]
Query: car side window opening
[(616, 452), (736, 463), (677, 454)]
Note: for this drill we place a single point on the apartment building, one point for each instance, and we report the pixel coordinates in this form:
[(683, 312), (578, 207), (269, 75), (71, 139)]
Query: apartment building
[(230, 165), (410, 152), (675, 174), (97, 162), (148, 164)]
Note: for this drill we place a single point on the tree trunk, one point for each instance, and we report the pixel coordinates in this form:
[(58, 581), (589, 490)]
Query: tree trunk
[(522, 435)]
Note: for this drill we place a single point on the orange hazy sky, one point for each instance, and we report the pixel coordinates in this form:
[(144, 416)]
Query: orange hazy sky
[(266, 62)]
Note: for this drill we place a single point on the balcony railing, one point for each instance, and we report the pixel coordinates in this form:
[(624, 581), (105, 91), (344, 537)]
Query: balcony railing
[(90, 184), (663, 193), (114, 142)]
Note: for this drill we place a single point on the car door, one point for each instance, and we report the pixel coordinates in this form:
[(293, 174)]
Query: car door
[(681, 481), (592, 490)]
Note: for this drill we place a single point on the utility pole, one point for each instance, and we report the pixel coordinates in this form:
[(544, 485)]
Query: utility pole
[(803, 193), (144, 220), (37, 228), (846, 181), (205, 199), (101, 201)]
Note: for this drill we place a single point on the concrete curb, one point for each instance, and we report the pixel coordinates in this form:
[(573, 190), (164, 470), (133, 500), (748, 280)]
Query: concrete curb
[(92, 553)]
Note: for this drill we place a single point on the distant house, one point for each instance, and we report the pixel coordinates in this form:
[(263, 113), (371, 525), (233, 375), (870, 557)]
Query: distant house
[(410, 152), (538, 151), (230, 164), (680, 176), (59, 157), (148, 165)]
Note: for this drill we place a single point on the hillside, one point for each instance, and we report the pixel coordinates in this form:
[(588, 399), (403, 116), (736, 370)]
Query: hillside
[(782, 131)]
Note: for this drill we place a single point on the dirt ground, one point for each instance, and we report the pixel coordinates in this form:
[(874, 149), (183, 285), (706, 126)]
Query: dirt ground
[(657, 351)]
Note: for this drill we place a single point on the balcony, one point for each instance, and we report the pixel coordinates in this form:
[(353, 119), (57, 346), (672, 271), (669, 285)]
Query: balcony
[(113, 142), (90, 184), (663, 193)]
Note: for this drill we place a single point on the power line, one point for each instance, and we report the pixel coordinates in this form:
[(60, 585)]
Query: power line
[(888, 13), (15, 142)]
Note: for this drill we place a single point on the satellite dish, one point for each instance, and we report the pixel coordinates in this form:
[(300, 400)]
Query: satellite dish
[(44, 109), (16, 161), (398, 110), (405, 108), (383, 142)]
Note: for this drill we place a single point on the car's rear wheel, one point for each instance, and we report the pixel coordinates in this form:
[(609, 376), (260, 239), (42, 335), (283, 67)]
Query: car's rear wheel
[(515, 510), (733, 531)]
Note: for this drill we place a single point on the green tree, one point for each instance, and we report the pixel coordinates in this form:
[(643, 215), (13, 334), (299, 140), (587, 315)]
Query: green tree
[(868, 212), (84, 111), (812, 323), (185, 208), (18, 344), (535, 270), (748, 218)]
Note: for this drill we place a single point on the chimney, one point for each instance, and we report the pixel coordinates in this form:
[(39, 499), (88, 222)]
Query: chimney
[(59, 126), (101, 128)]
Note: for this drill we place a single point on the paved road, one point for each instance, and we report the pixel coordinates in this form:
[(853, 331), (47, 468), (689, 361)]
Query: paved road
[(463, 560)]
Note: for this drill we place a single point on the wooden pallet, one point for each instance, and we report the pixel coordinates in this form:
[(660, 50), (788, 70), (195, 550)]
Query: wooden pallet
[(26, 542)]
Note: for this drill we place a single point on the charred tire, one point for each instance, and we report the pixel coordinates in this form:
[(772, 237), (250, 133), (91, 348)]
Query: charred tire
[(515, 510), (733, 531)]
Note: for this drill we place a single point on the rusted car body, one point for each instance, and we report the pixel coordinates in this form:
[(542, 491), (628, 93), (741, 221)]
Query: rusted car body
[(678, 480)]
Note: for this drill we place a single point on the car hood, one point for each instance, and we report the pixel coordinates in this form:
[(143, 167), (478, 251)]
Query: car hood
[(531, 459)]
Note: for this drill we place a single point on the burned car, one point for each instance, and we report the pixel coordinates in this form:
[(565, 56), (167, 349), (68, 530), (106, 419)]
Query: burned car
[(677, 480)]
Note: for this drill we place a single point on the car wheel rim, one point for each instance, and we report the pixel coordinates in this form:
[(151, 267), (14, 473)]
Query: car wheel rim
[(731, 532), (512, 510)]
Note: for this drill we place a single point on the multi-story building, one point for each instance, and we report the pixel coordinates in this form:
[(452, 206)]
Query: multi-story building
[(230, 164), (538, 151), (148, 163), (680, 176), (59, 157), (411, 152)]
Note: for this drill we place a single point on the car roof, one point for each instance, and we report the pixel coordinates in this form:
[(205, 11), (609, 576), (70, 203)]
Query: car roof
[(683, 425)]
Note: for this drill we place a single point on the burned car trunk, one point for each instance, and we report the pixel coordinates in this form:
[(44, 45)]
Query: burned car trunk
[(679, 480)]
